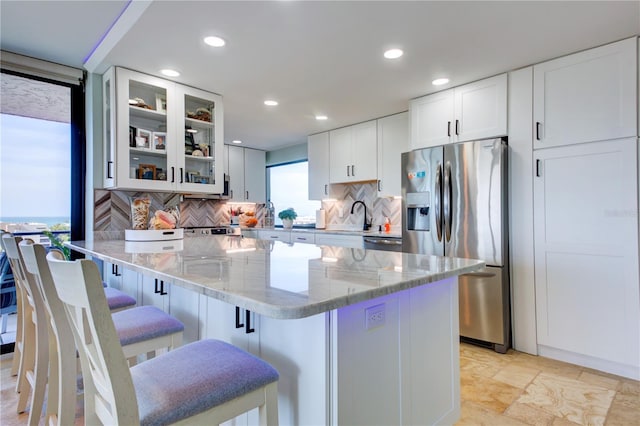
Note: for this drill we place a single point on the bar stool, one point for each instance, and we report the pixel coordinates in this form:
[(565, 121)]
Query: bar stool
[(142, 330), (20, 311), (206, 382), (117, 301)]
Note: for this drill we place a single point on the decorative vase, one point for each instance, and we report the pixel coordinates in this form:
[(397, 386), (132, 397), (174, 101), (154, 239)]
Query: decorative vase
[(287, 223)]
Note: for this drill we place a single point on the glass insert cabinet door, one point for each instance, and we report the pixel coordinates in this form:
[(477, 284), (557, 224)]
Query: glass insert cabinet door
[(160, 135)]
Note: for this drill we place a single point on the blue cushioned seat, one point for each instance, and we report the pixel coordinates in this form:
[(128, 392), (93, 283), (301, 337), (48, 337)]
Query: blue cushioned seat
[(144, 323), (117, 299), (195, 378)]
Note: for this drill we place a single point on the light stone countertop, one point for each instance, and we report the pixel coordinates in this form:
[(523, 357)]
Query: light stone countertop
[(276, 279), (395, 232)]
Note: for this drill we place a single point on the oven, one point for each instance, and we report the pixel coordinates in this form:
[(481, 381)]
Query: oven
[(204, 231)]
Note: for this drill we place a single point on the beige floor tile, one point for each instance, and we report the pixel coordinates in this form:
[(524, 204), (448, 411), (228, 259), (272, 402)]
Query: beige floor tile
[(629, 387), (559, 421), (569, 399), (622, 414), (516, 375), (600, 379), (478, 368), (487, 392), (529, 415), (486, 355), (550, 366), (473, 414)]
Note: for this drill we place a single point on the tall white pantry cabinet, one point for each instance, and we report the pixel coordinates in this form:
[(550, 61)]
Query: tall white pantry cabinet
[(585, 198)]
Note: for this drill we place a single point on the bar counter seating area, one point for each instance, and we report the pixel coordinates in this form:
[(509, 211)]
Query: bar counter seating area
[(267, 333), (262, 332)]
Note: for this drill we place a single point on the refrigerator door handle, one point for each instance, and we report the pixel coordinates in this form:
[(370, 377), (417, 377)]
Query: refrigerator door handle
[(438, 201), (447, 201)]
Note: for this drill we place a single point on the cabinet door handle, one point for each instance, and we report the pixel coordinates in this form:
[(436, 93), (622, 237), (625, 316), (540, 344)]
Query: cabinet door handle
[(325, 189), (162, 292), (231, 193), (348, 171), (181, 175), (238, 323), (246, 195), (117, 274), (379, 185), (109, 163), (537, 130), (537, 168), (248, 329), (457, 127), (353, 170), (155, 289), (173, 174), (449, 128)]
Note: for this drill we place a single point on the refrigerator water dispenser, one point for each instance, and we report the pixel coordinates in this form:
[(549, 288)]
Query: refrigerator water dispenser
[(418, 211)]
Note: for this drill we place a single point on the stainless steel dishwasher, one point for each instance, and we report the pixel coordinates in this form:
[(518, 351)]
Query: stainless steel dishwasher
[(380, 242)]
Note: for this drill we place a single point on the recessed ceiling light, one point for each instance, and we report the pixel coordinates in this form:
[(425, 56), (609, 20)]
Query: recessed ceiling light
[(236, 141), (393, 53), (440, 81), (321, 117), (270, 102), (215, 41), (170, 73)]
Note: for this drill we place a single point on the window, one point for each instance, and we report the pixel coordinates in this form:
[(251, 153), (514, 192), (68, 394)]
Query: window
[(42, 159), (288, 187)]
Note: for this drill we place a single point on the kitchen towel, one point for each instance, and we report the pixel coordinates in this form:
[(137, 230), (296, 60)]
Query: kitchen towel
[(320, 219)]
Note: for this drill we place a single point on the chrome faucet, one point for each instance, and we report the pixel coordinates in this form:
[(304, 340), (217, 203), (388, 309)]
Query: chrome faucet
[(365, 225)]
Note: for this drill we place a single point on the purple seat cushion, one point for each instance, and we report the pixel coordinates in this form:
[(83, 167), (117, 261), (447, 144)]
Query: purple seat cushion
[(117, 299), (144, 323), (195, 378)]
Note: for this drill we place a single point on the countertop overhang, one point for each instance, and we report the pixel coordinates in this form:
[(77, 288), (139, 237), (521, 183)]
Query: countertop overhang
[(279, 280)]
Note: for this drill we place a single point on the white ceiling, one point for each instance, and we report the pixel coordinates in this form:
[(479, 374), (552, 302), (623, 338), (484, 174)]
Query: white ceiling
[(313, 57)]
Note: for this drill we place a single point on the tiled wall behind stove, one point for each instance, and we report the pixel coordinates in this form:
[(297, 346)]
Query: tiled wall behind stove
[(113, 213)]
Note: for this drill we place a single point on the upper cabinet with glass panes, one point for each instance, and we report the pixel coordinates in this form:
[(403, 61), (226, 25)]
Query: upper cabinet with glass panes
[(160, 135)]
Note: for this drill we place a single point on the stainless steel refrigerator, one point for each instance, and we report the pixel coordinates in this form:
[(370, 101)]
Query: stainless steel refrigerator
[(454, 203)]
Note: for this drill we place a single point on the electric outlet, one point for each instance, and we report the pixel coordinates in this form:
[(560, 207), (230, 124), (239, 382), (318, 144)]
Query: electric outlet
[(340, 213), (374, 316)]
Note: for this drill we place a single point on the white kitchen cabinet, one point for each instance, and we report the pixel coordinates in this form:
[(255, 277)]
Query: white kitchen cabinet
[(588, 96), (340, 240), (353, 153), (160, 135), (586, 255), (473, 111), (112, 275), (303, 237), (431, 118), (318, 157), (247, 174), (393, 140), (122, 279), (179, 302), (274, 235)]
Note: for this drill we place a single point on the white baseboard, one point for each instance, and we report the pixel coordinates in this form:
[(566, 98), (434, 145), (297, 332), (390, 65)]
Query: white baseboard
[(624, 370)]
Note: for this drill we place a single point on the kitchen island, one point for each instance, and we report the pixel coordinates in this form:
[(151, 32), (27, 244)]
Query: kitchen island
[(358, 336)]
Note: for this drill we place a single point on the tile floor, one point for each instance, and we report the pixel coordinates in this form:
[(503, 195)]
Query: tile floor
[(521, 389), (511, 389)]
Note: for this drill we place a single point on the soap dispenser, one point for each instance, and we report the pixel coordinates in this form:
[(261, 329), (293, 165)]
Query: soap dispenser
[(269, 215)]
